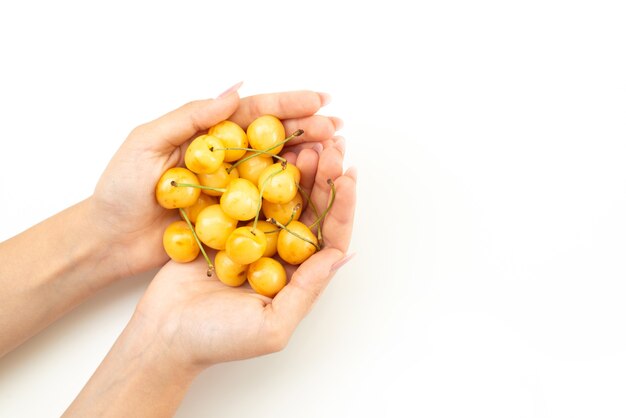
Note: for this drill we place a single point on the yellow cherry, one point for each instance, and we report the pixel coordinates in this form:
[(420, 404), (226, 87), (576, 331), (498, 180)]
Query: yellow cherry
[(219, 179), (202, 202), (265, 132), (205, 154), (282, 212), (250, 169), (271, 236), (179, 243), (229, 272), (246, 245), (277, 184), (292, 248), (213, 226), (267, 276), (233, 136), (241, 200), (172, 197)]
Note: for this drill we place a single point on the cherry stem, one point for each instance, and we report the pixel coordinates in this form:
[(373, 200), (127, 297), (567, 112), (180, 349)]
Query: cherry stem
[(283, 166), (210, 270), (197, 186), (265, 151), (333, 193), (295, 234), (309, 201), (256, 151)]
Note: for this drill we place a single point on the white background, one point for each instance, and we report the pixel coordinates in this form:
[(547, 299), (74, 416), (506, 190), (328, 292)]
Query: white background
[(490, 139)]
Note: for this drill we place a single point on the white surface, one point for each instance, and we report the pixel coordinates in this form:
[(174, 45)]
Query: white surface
[(490, 139)]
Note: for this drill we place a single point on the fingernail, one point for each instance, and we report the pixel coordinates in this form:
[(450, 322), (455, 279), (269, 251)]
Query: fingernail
[(340, 143), (325, 98), (230, 90), (337, 122), (339, 264)]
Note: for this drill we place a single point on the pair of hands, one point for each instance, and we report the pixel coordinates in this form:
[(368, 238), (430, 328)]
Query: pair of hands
[(196, 320)]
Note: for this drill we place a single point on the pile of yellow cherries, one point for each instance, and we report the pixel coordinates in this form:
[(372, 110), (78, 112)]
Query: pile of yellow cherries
[(230, 178)]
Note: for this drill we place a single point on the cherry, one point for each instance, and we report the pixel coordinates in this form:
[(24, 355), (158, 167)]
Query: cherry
[(229, 272), (171, 197), (266, 132), (205, 154), (213, 226), (267, 276), (232, 136), (179, 243), (219, 179), (246, 245), (284, 212), (296, 243), (277, 184), (241, 199)]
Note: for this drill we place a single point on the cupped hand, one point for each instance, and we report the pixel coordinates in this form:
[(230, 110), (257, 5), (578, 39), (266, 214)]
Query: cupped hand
[(199, 321), (123, 202)]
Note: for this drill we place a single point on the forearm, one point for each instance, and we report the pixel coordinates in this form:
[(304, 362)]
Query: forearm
[(136, 379), (49, 269)]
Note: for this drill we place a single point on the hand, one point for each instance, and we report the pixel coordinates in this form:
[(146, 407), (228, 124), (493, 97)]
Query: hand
[(199, 321), (123, 201)]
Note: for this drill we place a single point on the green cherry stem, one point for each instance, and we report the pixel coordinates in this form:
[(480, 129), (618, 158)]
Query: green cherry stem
[(266, 151), (256, 152), (295, 234), (333, 193), (283, 166), (197, 186), (210, 270), (309, 202)]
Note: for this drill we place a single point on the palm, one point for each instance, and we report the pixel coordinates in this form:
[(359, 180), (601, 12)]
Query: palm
[(210, 322)]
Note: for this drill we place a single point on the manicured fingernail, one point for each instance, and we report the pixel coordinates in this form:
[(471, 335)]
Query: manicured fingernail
[(230, 90), (317, 147), (340, 143), (324, 98), (339, 264), (337, 122)]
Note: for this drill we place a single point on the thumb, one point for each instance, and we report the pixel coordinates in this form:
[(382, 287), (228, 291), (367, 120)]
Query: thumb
[(296, 299), (178, 126)]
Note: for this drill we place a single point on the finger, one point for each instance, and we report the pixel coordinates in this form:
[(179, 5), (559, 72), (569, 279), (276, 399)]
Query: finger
[(316, 128), (174, 128), (330, 166), (307, 164), (296, 299), (337, 226), (287, 105)]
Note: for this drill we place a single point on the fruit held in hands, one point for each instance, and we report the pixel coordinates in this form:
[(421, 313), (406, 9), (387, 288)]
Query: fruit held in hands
[(283, 213), (265, 133), (267, 276), (179, 243), (246, 245), (240, 200), (172, 197), (232, 136), (219, 179), (229, 272), (297, 243), (213, 227), (205, 154), (278, 184), (226, 182)]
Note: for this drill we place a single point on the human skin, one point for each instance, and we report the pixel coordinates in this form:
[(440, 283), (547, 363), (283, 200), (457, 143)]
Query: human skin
[(187, 322), (116, 232)]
